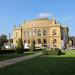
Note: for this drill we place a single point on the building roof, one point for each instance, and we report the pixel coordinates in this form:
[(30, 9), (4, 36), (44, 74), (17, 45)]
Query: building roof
[(43, 22)]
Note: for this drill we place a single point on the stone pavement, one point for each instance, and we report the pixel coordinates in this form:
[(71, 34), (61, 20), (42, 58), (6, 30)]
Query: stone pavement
[(16, 60)]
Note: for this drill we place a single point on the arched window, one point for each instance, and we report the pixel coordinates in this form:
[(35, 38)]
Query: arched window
[(44, 32), (29, 41), (24, 41), (45, 41), (39, 41), (54, 45), (54, 32), (34, 41), (54, 41)]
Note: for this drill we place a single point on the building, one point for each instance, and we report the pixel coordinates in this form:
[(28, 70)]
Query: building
[(45, 32), (71, 42)]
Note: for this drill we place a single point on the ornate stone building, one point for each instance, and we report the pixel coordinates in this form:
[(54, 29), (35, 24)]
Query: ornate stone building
[(45, 32)]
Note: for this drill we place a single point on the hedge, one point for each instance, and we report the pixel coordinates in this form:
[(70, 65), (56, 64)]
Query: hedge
[(51, 52), (7, 51)]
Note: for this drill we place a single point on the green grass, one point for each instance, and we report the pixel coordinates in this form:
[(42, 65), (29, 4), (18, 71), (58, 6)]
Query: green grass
[(44, 65), (13, 55)]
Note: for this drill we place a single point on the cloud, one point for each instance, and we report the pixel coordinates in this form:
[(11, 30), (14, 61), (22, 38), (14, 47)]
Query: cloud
[(44, 15)]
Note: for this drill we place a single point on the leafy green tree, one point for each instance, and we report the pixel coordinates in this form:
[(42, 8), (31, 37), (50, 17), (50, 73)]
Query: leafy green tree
[(71, 37), (32, 45), (3, 39), (20, 47)]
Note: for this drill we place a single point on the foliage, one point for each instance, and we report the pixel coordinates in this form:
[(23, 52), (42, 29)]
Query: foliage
[(32, 45), (7, 51), (20, 47), (3, 39), (51, 51), (71, 37), (20, 44), (11, 40)]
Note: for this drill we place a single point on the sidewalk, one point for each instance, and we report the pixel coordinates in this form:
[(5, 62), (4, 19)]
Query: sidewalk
[(16, 60)]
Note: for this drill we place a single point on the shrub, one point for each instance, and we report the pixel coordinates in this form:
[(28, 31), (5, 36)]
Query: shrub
[(52, 51), (7, 51), (19, 51), (32, 46), (58, 51), (20, 47), (2, 47)]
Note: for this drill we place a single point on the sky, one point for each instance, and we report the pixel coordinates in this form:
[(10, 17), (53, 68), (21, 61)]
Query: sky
[(14, 12)]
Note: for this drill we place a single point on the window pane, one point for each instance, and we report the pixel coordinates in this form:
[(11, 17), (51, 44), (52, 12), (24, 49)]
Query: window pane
[(24, 41), (39, 41), (34, 32), (39, 32), (54, 32), (44, 32), (54, 41), (45, 41), (29, 41)]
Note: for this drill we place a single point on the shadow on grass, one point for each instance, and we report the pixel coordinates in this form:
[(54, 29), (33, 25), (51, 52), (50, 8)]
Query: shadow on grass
[(61, 53), (57, 65), (43, 65)]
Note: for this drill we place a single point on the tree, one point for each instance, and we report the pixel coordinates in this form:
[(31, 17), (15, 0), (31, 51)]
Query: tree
[(71, 37), (32, 45), (3, 39), (20, 46)]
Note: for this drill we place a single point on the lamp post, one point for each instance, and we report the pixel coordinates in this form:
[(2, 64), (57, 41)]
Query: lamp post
[(9, 39)]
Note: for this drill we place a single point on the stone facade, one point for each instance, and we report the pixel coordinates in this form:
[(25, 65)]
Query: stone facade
[(45, 32)]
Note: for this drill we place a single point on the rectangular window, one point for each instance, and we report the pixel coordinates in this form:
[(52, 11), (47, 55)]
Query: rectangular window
[(34, 32), (54, 45), (39, 32), (44, 32)]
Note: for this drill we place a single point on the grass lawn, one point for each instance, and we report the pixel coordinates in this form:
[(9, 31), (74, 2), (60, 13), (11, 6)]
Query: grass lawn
[(44, 65), (12, 55)]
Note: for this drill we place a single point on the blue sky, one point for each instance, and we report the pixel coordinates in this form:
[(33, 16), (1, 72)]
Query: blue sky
[(14, 12)]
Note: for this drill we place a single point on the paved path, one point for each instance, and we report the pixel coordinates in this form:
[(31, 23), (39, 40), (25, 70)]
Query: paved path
[(19, 59)]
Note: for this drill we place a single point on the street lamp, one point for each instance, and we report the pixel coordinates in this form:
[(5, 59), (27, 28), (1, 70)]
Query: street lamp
[(9, 39)]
